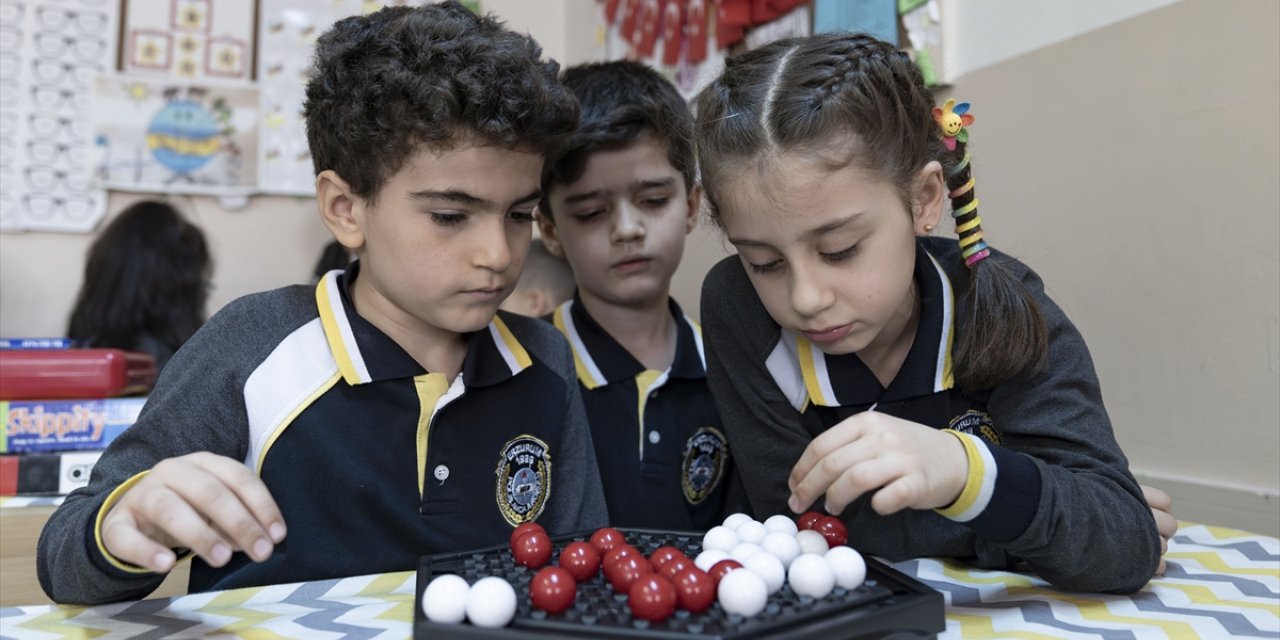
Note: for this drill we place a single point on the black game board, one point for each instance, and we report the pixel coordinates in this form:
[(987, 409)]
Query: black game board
[(888, 605)]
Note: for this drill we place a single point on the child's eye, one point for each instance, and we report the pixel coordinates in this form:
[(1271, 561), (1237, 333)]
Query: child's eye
[(522, 216), (448, 219), (655, 203), (766, 267), (587, 216), (840, 256)]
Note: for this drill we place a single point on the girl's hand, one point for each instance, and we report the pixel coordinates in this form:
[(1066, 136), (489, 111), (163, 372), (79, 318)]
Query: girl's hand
[(1162, 509), (911, 465)]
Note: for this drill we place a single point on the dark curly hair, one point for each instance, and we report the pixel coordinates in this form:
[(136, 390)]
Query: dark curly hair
[(621, 101), (384, 84), (145, 283), (860, 100)]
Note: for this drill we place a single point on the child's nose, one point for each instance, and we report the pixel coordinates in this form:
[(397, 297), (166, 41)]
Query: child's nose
[(628, 226)]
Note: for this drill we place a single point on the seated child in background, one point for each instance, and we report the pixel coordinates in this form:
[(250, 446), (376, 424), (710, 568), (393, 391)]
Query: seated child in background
[(618, 200), (332, 256), (928, 391), (545, 283), (146, 283), (352, 427)]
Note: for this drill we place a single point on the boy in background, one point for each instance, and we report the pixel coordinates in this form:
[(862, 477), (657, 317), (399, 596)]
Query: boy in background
[(367, 414), (545, 283), (619, 199)]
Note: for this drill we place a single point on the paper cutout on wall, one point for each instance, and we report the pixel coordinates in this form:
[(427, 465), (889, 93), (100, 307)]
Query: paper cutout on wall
[(876, 17), (190, 39), (165, 137), (286, 37)]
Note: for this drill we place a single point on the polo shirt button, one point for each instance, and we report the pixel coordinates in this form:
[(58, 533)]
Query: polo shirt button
[(654, 437), (442, 473), (653, 394)]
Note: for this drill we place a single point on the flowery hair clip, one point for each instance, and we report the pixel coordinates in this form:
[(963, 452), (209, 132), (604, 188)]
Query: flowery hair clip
[(953, 118)]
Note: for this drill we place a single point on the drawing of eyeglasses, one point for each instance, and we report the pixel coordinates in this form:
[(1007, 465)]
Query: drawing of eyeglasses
[(54, 98), (50, 126), (10, 65), (10, 38), (9, 91), (43, 206), (53, 71), (85, 47), (8, 124), (59, 18), (41, 178), (50, 151), (11, 11)]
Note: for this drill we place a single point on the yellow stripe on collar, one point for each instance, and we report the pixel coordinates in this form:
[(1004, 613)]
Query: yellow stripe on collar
[(329, 310), (576, 347), (809, 369), (512, 351)]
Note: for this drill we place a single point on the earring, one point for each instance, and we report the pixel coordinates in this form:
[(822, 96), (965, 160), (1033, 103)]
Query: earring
[(928, 228)]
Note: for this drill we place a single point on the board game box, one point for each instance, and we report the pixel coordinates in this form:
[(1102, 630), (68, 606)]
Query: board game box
[(889, 604), (40, 374)]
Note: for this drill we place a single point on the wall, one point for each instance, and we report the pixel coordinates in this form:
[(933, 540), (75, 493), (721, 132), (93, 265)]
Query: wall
[(1135, 167)]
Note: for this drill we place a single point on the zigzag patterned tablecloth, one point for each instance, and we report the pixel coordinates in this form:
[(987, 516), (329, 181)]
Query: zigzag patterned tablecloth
[(1219, 583)]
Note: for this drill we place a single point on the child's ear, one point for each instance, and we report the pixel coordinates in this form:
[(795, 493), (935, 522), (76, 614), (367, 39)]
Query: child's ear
[(341, 210), (539, 303), (930, 196), (695, 208), (547, 227)]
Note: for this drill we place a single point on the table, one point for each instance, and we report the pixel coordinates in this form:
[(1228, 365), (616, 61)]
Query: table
[(1220, 582)]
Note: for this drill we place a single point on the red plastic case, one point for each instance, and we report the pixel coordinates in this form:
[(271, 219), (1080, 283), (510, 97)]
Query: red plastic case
[(74, 373)]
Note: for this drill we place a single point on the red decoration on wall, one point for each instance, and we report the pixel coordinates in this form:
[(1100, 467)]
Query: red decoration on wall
[(672, 31), (695, 31), (646, 34)]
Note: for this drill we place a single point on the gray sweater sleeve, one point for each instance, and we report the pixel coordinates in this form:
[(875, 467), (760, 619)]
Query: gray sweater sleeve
[(197, 405), (1091, 530), (577, 495)]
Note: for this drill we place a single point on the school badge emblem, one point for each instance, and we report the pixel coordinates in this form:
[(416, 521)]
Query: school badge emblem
[(977, 423), (704, 457), (523, 479)]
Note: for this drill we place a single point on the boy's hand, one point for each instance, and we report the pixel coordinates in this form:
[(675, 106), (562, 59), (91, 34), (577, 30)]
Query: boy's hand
[(1162, 508), (912, 465), (208, 503)]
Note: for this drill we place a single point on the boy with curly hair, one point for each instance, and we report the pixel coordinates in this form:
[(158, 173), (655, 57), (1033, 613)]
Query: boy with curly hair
[(309, 433)]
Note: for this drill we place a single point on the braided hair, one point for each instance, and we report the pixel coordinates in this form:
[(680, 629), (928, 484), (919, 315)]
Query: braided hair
[(863, 101)]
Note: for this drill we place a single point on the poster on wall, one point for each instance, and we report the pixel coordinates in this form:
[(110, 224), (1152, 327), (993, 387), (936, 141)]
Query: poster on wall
[(287, 35), (191, 40), (676, 37), (51, 53), (164, 137)]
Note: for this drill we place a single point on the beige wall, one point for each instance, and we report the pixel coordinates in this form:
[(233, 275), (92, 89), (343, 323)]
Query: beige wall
[(1136, 168)]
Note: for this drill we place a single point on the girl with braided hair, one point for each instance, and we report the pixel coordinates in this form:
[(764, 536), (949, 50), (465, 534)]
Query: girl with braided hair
[(926, 390)]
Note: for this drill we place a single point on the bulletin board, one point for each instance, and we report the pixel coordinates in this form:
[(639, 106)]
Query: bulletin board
[(51, 53), (163, 96)]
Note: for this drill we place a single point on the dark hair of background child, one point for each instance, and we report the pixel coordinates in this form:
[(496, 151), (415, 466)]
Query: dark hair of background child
[(621, 101), (384, 85), (145, 283), (850, 98), (332, 256)]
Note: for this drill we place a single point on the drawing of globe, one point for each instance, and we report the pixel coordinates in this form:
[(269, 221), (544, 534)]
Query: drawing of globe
[(183, 136)]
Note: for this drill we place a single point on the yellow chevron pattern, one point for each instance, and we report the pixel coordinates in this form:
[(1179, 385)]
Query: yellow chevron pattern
[(1220, 582)]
